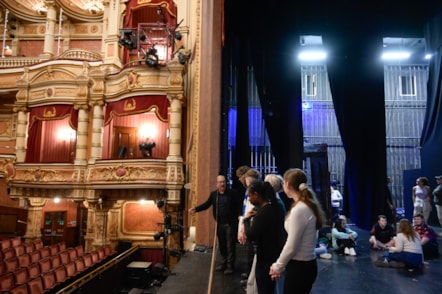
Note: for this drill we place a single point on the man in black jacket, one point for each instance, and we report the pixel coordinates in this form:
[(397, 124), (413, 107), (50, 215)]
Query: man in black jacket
[(226, 204)]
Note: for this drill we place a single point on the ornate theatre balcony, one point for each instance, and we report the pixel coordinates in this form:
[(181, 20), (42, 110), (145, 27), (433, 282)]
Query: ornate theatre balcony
[(73, 181)]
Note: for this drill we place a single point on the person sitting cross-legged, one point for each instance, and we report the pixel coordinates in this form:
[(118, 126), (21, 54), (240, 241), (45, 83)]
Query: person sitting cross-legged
[(407, 251), (382, 234)]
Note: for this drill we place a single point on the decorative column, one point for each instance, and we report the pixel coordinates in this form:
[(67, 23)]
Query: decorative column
[(97, 131), (175, 127), (83, 124), (51, 22), (35, 215), (20, 142), (111, 31)]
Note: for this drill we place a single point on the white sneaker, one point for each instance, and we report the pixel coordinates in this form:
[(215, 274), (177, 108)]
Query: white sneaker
[(346, 251), (325, 255), (352, 252)]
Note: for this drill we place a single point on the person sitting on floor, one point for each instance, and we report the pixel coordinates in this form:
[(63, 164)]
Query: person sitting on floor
[(343, 238), (428, 236), (407, 250), (382, 234)]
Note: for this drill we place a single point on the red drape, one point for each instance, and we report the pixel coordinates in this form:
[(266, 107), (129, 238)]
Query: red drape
[(138, 104), (41, 114)]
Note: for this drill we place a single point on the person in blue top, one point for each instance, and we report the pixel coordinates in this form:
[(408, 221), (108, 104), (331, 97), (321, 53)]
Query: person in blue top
[(343, 238)]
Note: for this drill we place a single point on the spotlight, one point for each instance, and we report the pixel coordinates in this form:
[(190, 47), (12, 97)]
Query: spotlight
[(12, 36), (128, 39), (158, 236), (160, 203), (178, 36), (182, 58), (13, 27), (146, 147), (143, 38), (152, 58)]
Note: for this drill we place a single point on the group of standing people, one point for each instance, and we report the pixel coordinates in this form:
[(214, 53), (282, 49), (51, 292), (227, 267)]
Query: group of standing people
[(281, 234), (283, 243)]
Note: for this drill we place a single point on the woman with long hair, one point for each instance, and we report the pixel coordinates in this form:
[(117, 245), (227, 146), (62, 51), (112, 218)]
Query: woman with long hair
[(302, 223), (407, 250)]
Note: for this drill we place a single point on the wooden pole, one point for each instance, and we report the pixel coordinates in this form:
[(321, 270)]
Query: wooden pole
[(212, 264)]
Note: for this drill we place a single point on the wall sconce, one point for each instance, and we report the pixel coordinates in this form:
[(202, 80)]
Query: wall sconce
[(146, 148)]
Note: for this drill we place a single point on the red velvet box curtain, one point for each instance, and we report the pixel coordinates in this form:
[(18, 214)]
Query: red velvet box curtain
[(40, 134), (135, 105)]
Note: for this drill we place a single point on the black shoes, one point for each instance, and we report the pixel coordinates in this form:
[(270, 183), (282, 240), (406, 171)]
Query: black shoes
[(228, 270), (220, 268)]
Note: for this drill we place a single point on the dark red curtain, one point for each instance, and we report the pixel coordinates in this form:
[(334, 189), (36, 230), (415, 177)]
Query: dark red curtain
[(38, 136), (136, 105)]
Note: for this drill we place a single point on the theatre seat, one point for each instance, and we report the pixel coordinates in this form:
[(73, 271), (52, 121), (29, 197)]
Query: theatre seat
[(5, 244), (8, 253), (87, 257), (20, 289), (72, 254), (60, 274), (6, 282), (45, 265), (38, 244), (24, 260), (15, 241), (45, 252), (19, 250), (55, 261), (107, 250), (62, 246), (21, 275), (80, 251), (95, 257), (70, 269), (53, 249), (2, 268), (64, 256), (48, 280), (34, 270), (35, 286), (29, 247), (79, 264), (101, 253), (12, 264), (35, 256)]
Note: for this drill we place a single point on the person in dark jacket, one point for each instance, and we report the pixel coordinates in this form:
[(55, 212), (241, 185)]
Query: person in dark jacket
[(266, 230), (226, 204)]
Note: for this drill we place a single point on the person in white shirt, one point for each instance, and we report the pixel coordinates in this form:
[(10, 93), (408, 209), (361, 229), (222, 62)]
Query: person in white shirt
[(305, 218)]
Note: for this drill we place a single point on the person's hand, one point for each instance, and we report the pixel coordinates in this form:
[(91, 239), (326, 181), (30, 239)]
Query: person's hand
[(250, 213), (350, 236), (192, 210), (241, 235), (274, 274)]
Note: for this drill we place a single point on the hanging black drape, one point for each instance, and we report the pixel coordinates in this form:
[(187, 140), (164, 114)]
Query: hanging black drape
[(352, 32), (267, 47), (431, 139)]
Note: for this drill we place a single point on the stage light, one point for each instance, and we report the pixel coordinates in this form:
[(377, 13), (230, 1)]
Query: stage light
[(158, 236), (178, 36), (146, 147), (152, 57), (160, 203)]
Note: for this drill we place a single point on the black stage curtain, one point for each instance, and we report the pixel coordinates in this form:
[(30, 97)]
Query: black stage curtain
[(431, 139), (353, 33)]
